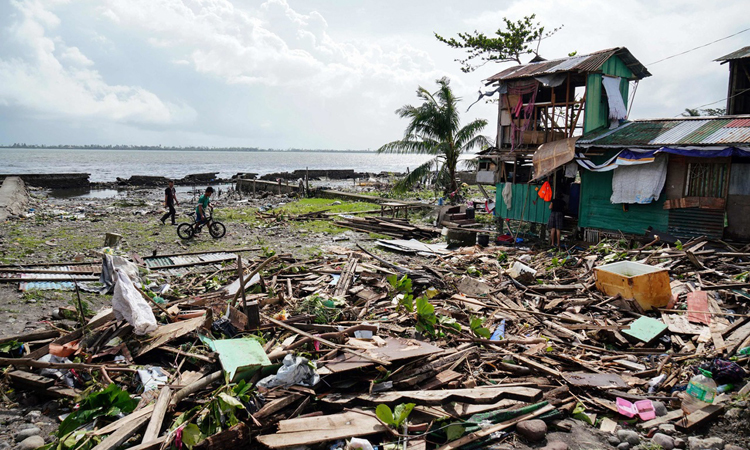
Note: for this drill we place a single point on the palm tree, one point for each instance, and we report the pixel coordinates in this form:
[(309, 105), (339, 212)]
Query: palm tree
[(435, 129)]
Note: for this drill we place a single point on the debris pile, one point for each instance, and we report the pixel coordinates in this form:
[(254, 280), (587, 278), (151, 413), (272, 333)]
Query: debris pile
[(461, 349)]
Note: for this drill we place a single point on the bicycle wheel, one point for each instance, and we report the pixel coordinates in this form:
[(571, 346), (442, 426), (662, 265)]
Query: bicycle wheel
[(217, 230), (185, 231)]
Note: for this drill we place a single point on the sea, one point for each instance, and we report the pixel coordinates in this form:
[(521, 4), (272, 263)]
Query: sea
[(105, 165)]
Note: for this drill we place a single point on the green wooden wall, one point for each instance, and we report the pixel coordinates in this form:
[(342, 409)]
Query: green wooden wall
[(596, 211), (537, 210), (597, 108)]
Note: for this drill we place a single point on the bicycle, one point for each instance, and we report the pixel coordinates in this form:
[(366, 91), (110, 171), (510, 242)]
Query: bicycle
[(215, 229)]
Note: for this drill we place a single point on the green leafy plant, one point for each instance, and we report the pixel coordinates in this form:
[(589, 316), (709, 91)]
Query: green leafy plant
[(472, 270), (10, 347), (426, 318), (476, 327), (502, 257), (325, 310), (678, 245), (267, 252), (217, 415), (394, 418), (109, 402)]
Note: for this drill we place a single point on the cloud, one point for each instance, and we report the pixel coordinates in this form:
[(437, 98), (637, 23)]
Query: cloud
[(272, 46), (49, 79)]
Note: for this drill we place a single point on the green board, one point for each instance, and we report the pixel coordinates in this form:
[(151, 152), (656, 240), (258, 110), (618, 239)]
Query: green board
[(240, 358), (646, 329)]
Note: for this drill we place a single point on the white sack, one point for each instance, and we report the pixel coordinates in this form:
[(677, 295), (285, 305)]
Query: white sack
[(128, 304)]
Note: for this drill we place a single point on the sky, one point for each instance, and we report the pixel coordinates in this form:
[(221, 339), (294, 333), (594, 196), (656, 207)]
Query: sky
[(310, 73)]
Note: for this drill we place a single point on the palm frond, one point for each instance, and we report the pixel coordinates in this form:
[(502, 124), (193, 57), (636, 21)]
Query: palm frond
[(414, 177), (469, 131), (420, 147)]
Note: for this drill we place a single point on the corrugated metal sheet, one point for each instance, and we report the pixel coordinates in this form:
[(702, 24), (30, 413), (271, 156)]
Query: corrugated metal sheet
[(730, 136), (535, 211), (738, 123), (158, 261), (695, 222), (678, 133), (703, 132), (744, 52), (664, 132), (46, 286), (580, 63)]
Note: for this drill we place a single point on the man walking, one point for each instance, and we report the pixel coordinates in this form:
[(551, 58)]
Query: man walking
[(556, 218), (170, 200)]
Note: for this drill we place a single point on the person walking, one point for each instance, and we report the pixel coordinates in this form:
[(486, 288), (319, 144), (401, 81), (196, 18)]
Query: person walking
[(170, 200), (556, 218)]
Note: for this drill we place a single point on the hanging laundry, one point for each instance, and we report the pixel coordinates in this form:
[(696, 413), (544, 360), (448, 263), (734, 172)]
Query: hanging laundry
[(546, 192), (640, 184), (571, 170), (617, 110), (508, 195)]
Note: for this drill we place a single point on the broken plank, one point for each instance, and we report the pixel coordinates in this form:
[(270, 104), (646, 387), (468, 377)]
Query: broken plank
[(696, 418), (122, 434), (668, 417), (475, 395), (312, 430)]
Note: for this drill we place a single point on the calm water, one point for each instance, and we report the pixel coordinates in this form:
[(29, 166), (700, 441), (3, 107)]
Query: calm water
[(107, 165)]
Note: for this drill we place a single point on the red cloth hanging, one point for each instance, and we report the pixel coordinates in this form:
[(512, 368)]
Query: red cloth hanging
[(546, 192)]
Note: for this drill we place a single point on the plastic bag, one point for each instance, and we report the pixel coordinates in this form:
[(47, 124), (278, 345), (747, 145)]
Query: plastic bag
[(359, 444), (295, 370), (128, 304)]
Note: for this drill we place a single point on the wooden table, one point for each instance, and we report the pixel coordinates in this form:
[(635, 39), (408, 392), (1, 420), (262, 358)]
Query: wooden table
[(394, 208)]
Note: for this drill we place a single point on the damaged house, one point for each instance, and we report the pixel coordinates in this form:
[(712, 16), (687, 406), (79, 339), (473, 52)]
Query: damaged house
[(684, 177)]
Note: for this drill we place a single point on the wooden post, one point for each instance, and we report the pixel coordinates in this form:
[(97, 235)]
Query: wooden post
[(157, 417), (567, 100), (241, 273), (253, 188), (307, 182), (279, 186), (252, 311)]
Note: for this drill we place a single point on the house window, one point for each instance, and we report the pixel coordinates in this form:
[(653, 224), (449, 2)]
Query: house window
[(707, 180)]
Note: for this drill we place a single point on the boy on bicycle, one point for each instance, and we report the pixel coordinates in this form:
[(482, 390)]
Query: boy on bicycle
[(201, 214)]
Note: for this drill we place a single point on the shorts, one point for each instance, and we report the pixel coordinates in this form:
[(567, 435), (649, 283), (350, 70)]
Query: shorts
[(555, 220)]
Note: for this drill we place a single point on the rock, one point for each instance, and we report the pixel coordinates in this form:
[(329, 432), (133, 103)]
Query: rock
[(629, 436), (533, 430), (666, 442), (712, 443), (556, 445), (733, 447), (28, 432), (31, 443), (660, 409), (680, 443), (33, 415), (667, 428), (613, 441), (733, 414), (623, 446)]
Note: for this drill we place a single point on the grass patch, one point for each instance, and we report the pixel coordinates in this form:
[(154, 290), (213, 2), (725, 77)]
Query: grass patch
[(308, 205), (318, 226)]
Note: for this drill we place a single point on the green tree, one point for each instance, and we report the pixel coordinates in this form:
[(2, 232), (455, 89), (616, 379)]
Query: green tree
[(435, 129), (690, 112), (517, 39)]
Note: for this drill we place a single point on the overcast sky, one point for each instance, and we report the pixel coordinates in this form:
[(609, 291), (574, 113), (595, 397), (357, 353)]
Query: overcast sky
[(310, 73)]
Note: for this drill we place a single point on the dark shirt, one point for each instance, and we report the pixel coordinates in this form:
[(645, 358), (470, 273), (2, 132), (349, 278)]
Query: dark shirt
[(558, 205), (169, 195)]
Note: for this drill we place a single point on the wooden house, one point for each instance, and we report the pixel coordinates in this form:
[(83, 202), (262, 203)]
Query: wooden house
[(543, 106)]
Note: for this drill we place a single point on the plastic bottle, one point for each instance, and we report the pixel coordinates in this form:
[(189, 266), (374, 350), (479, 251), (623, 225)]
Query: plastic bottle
[(700, 392), (744, 351)]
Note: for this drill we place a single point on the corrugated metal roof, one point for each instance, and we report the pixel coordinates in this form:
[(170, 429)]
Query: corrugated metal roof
[(684, 131), (742, 53), (580, 63), (678, 133)]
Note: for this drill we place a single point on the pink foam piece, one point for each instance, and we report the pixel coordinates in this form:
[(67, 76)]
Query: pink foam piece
[(625, 408), (645, 409)]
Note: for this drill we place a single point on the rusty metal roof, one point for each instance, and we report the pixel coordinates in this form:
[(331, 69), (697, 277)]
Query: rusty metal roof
[(579, 63), (742, 53), (698, 131)]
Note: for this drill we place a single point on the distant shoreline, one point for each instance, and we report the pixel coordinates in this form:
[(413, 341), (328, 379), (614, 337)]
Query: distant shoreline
[(183, 149)]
